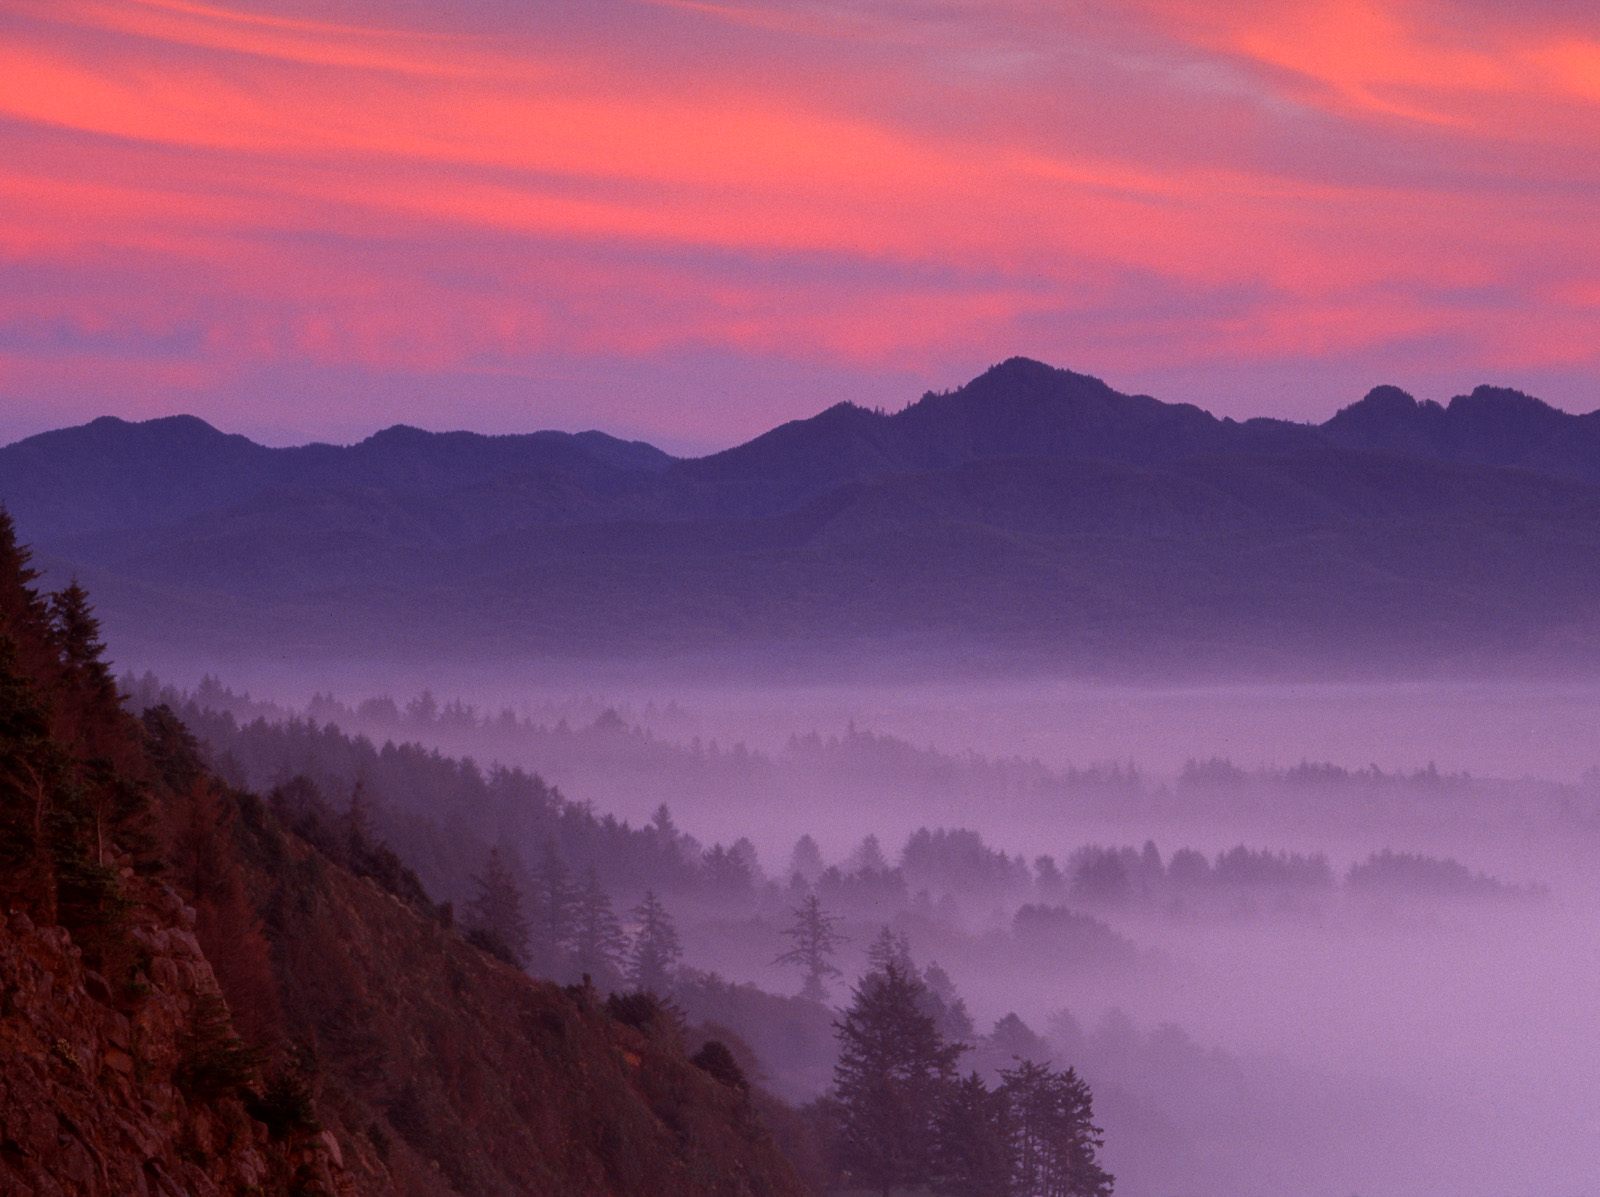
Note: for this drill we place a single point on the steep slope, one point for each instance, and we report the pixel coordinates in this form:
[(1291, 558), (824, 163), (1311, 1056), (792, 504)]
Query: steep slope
[(453, 1073), (195, 1000), (98, 1093)]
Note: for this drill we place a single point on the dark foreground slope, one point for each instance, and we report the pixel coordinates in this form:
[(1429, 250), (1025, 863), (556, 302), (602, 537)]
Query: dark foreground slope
[(195, 1001), (1033, 516)]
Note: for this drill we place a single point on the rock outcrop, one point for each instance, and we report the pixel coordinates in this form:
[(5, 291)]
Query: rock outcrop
[(91, 1092)]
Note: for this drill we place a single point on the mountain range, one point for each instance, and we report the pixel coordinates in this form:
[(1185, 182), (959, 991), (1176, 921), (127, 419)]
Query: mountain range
[(1033, 518)]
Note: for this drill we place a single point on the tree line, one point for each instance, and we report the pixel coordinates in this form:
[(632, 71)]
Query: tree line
[(903, 1117)]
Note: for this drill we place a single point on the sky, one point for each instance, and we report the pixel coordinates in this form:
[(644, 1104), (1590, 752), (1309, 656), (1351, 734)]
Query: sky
[(688, 220)]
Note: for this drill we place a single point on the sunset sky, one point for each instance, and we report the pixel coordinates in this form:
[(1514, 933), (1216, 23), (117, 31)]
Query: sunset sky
[(687, 220)]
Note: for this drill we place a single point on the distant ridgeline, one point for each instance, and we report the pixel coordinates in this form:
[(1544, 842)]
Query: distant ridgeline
[(1033, 518)]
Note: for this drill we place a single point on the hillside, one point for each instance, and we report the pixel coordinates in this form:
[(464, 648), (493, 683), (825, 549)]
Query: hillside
[(196, 1000), (1033, 518)]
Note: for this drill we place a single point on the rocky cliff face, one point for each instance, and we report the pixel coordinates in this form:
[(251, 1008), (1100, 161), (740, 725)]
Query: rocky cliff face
[(91, 1093)]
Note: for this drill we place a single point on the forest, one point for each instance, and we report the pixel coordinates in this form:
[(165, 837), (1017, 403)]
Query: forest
[(1077, 954), (104, 810)]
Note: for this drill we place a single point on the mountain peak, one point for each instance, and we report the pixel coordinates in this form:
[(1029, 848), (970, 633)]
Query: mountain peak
[(1382, 403), (1028, 376), (399, 434), (1492, 399)]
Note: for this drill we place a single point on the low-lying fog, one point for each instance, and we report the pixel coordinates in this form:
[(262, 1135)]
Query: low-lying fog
[(1263, 1025)]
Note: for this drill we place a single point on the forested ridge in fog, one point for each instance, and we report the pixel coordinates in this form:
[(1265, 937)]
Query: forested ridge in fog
[(1031, 518), (1161, 934), (209, 991)]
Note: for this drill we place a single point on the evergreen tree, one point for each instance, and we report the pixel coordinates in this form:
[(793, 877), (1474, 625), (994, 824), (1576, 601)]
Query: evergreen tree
[(805, 861), (30, 771), (202, 863), (656, 950), (893, 1071), (1077, 1140), (599, 943), (1055, 1143), (495, 914), (972, 1141), (554, 914), (868, 857), (1026, 1089), (891, 947), (948, 1008), (76, 633), (358, 822), (20, 605), (727, 870), (815, 937)]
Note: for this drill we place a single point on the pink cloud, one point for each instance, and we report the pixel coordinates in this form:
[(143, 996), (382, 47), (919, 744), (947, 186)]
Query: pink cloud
[(1169, 183)]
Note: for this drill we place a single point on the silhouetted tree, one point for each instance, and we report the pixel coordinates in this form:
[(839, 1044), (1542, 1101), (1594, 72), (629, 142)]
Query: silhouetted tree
[(815, 937), (30, 770), (973, 1141), (93, 692), (868, 857), (599, 943), (656, 951), (1055, 1143), (727, 870), (495, 911), (554, 913), (806, 859), (948, 1008), (20, 603), (890, 947), (893, 1070)]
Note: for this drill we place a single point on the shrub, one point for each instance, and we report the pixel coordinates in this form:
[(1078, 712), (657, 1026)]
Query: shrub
[(717, 1061), (286, 1104), (643, 1011), (485, 940), (213, 1061)]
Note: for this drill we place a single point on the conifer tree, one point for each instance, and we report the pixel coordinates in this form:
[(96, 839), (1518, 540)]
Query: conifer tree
[(495, 912), (19, 598), (894, 1068), (553, 916), (656, 950), (948, 1008), (1027, 1091), (890, 947), (93, 691), (727, 870), (815, 937), (358, 822), (1055, 1143), (805, 861), (973, 1141), (30, 770), (599, 943), (868, 857), (1077, 1139)]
